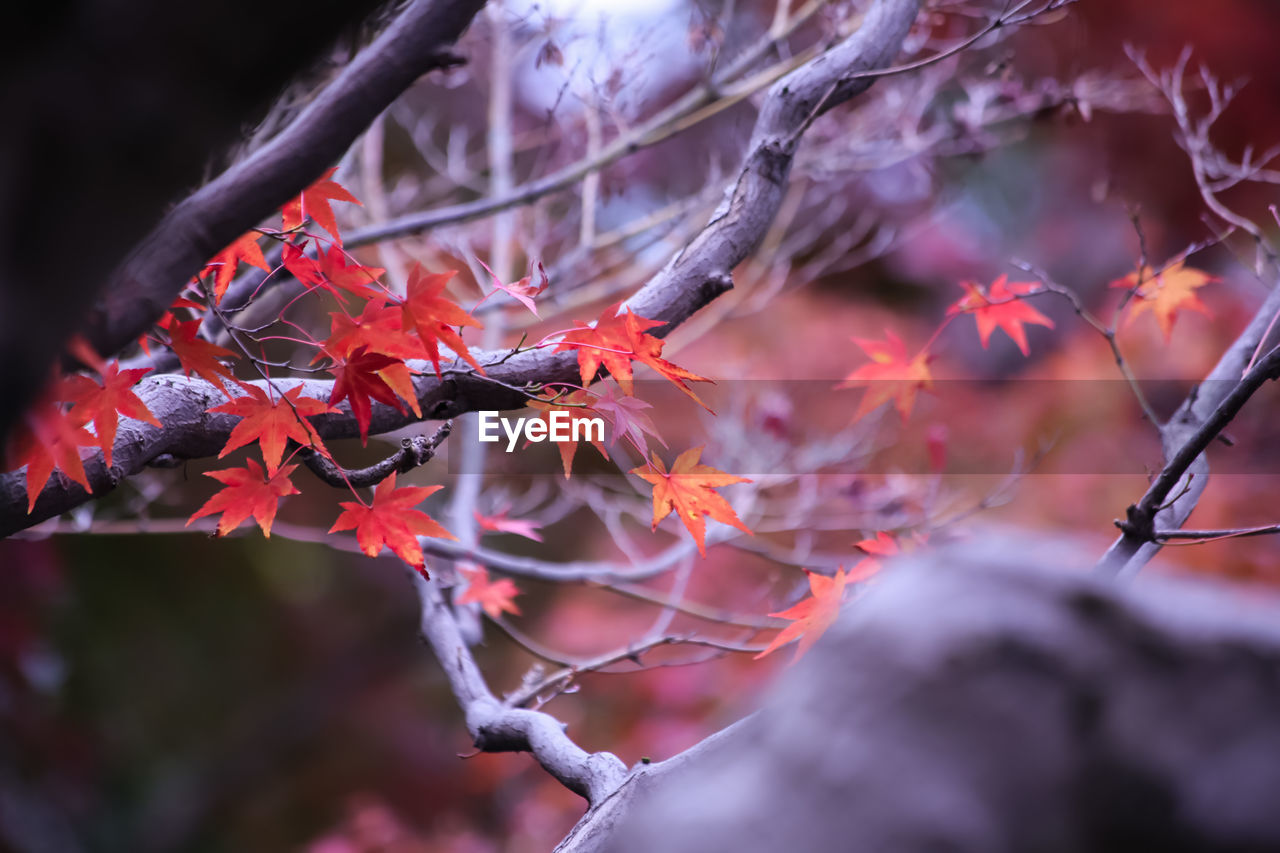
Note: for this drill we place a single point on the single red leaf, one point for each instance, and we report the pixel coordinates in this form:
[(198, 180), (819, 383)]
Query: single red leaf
[(247, 493), (314, 202), (363, 376), (499, 523), (689, 488), (578, 406), (432, 314), (523, 291), (391, 520), (618, 339), (494, 597), (812, 616), (628, 420), (272, 423), (198, 356), (891, 376), (48, 438), (103, 404), (351, 277), (1001, 307), (84, 352), (246, 249)]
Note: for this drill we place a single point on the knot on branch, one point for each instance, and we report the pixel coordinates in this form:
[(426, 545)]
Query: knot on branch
[(414, 451), (1139, 523)]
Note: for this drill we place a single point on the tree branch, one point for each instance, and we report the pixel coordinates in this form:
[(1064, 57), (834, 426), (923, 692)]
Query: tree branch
[(219, 212), (1202, 416)]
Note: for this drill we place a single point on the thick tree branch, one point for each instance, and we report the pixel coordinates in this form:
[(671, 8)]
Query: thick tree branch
[(151, 278)]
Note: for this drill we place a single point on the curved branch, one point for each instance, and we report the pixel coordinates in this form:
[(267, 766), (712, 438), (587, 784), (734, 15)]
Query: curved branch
[(1201, 417), (219, 212), (694, 277), (414, 451)]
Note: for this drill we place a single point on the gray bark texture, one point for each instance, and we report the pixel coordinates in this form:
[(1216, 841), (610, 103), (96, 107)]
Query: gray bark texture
[(992, 700)]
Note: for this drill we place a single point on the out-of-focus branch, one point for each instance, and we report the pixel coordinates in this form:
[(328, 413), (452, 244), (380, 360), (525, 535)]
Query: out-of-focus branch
[(495, 727), (148, 282)]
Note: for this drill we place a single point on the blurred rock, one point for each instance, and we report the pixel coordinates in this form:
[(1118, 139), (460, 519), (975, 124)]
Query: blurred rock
[(995, 700)]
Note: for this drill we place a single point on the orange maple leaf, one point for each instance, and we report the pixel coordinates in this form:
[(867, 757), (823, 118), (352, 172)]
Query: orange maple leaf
[(272, 423), (103, 404), (580, 410), (618, 339), (391, 520), (689, 489), (811, 616), (428, 310), (1000, 306), (314, 202), (363, 375), (1165, 293), (48, 438), (494, 597), (198, 356), (889, 376), (247, 493), (245, 249)]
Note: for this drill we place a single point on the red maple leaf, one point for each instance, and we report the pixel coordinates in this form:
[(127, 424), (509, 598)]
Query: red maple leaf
[(379, 328), (103, 404), (523, 291), (499, 523), (811, 616), (363, 376), (272, 423), (352, 277), (494, 597), (305, 269), (48, 438), (247, 493), (689, 490), (314, 202), (890, 376), (628, 421), (1165, 293), (578, 406), (198, 356), (245, 249), (618, 339), (432, 314), (1001, 306), (883, 545), (391, 520)]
